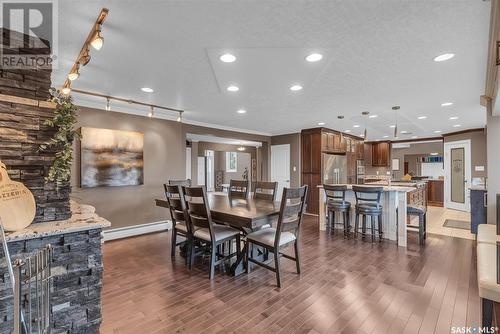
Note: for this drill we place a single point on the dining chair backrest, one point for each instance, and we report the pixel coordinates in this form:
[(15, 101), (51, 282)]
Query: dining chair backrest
[(368, 194), (238, 189), (177, 205), (265, 190), (183, 183), (335, 192), (198, 209), (293, 205)]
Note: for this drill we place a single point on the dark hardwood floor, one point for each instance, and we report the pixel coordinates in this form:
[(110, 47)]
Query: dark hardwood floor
[(346, 286)]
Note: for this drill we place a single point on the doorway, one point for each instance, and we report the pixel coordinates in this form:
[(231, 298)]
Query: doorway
[(457, 165), (280, 166)]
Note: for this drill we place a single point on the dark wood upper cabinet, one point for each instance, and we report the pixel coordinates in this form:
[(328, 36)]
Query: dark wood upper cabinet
[(360, 150), (381, 154)]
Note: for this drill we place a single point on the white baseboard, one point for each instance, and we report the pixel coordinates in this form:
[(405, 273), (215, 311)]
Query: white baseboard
[(130, 231)]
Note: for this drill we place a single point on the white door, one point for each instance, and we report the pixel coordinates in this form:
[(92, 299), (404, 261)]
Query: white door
[(209, 154), (201, 171), (280, 167), (188, 163), (457, 171)]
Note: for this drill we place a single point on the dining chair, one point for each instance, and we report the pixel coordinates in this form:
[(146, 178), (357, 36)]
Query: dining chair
[(179, 217), (182, 183), (205, 230), (368, 206), (293, 203), (335, 202), (238, 189), (265, 190)]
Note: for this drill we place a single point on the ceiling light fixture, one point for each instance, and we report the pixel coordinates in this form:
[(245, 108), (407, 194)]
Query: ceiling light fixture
[(404, 132), (446, 104), (227, 58), (95, 39), (147, 90), (396, 108), (321, 123), (457, 125), (152, 112), (241, 111), (98, 40), (233, 88), (414, 137), (295, 88), (434, 153), (373, 116), (74, 74), (241, 148), (422, 117), (438, 131), (444, 57), (347, 131), (355, 126), (392, 126), (314, 57), (108, 107), (386, 136), (452, 118)]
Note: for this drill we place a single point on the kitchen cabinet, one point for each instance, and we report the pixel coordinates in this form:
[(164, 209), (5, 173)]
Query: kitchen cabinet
[(360, 150), (418, 196), (332, 143), (478, 206), (435, 192), (381, 154)]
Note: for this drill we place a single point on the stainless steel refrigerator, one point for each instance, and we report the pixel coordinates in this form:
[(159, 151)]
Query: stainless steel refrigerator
[(334, 169)]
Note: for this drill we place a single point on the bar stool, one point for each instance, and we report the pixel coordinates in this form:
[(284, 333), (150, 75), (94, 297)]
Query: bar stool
[(368, 205), (421, 212), (335, 202)]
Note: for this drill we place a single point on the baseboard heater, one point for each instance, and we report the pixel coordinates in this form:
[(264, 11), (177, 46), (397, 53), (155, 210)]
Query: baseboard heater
[(134, 230)]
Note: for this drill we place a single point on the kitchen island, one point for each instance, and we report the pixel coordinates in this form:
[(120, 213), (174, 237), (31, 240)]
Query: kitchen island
[(394, 204)]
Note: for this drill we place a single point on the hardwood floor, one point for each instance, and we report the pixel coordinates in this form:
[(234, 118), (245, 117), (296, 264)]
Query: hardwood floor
[(346, 286)]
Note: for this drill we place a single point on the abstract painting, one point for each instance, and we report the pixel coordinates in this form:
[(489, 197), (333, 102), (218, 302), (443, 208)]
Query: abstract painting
[(111, 158)]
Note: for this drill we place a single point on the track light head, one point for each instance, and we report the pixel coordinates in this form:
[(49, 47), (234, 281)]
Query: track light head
[(73, 75), (66, 89), (98, 40)]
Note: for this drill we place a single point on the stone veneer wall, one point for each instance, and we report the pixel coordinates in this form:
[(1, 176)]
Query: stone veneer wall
[(76, 292), (21, 133)]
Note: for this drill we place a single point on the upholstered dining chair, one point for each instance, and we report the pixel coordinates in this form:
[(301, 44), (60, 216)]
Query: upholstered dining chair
[(179, 217), (206, 231), (238, 189), (287, 232), (265, 190)]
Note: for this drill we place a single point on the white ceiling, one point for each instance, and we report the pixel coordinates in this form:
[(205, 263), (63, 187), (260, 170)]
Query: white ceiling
[(376, 54)]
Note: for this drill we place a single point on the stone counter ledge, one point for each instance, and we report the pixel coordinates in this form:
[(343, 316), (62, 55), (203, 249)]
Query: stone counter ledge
[(83, 218)]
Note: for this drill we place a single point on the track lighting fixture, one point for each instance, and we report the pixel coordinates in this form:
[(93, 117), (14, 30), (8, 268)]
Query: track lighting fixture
[(108, 107), (98, 40), (152, 112), (66, 89), (85, 57), (74, 74)]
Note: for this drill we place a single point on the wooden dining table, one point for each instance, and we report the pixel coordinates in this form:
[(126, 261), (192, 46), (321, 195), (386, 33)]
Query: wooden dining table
[(246, 215)]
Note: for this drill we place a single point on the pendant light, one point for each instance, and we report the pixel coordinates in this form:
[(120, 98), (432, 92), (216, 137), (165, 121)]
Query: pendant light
[(341, 117), (365, 114), (396, 108)]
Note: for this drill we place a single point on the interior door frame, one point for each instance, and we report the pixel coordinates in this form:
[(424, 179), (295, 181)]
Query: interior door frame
[(289, 164), (466, 144)]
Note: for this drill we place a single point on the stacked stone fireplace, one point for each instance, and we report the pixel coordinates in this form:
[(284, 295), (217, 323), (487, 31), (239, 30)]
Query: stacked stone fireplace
[(77, 259)]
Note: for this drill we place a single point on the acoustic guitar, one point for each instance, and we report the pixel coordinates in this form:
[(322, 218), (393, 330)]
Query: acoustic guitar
[(17, 204)]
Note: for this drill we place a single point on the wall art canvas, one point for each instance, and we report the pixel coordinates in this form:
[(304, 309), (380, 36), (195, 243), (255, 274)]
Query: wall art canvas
[(111, 158)]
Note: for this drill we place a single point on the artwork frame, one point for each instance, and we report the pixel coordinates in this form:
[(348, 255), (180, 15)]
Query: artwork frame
[(111, 158)]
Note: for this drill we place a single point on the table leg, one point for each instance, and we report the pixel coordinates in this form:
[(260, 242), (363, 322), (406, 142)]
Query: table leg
[(238, 267)]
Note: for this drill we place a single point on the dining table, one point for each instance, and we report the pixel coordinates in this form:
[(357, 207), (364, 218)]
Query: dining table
[(247, 215)]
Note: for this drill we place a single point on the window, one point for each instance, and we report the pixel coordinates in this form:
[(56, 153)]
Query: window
[(231, 162)]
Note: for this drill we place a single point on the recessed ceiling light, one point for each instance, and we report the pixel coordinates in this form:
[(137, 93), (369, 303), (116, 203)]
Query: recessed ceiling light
[(314, 57), (355, 126), (347, 131), (241, 111), (438, 131), (392, 126), (227, 58), (233, 88), (434, 153), (386, 136), (422, 117), (414, 137), (404, 131), (373, 116), (444, 56), (295, 88), (147, 90), (453, 118), (321, 123), (362, 135), (457, 125), (446, 104)]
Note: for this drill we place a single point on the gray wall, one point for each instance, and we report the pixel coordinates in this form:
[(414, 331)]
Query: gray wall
[(164, 159), (294, 140)]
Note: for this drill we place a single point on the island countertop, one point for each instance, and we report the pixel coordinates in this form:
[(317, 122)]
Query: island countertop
[(83, 218), (385, 188)]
